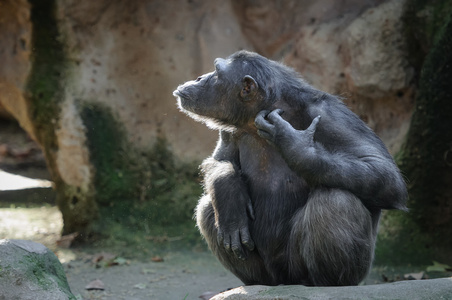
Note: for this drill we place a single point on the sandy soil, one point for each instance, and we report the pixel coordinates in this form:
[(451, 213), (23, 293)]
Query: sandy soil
[(184, 274)]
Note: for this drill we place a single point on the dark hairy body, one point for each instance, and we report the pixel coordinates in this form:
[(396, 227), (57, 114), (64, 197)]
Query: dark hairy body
[(297, 182)]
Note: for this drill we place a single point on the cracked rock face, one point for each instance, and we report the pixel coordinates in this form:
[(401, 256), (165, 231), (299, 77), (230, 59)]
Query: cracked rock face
[(28, 270), (15, 50), (128, 58), (131, 56)]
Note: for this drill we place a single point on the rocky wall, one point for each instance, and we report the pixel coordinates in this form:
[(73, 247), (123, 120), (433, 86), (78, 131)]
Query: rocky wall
[(83, 75)]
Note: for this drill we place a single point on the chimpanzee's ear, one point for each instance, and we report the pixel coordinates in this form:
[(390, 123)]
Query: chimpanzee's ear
[(249, 88)]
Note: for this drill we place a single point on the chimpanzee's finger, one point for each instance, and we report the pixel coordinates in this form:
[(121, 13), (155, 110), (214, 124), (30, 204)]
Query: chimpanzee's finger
[(246, 239), (236, 246), (261, 123), (311, 129), (250, 209), (263, 113), (220, 237), (227, 243), (275, 117)]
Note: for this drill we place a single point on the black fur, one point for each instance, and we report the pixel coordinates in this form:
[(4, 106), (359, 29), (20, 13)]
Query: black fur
[(296, 184)]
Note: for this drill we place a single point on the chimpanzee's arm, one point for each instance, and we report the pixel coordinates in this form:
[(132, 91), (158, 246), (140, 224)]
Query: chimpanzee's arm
[(337, 150), (229, 194)]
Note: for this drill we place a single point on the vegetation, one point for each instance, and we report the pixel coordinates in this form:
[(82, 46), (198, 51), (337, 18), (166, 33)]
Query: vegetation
[(132, 190), (45, 92), (140, 192), (425, 233)]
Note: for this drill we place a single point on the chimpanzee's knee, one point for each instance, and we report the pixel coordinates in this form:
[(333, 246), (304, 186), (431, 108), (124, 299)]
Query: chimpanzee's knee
[(335, 237)]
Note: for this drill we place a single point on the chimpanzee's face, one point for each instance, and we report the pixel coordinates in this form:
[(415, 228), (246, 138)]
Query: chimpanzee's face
[(224, 96), (204, 95)]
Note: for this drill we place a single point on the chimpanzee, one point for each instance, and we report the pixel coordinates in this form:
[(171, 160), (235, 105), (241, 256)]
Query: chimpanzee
[(294, 189)]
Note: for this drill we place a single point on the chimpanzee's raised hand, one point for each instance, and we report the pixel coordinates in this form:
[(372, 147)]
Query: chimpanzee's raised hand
[(278, 132)]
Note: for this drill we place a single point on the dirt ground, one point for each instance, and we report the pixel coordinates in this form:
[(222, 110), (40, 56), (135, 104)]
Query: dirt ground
[(183, 274)]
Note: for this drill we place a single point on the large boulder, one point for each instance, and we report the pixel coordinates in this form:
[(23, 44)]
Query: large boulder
[(30, 271), (414, 289)]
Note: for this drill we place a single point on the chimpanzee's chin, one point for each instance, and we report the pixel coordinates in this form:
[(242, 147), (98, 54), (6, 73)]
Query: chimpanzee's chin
[(186, 105), (181, 103)]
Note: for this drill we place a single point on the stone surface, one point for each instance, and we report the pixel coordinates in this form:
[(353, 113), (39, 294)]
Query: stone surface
[(413, 289), (131, 56), (15, 50), (122, 60), (358, 53), (70, 133), (30, 271)]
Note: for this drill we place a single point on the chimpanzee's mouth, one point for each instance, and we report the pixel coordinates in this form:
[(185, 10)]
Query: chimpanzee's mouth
[(177, 93), (180, 94), (183, 100)]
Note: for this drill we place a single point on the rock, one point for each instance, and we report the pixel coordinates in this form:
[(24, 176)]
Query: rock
[(29, 270), (360, 54), (131, 57), (105, 88), (15, 50), (412, 289), (378, 65)]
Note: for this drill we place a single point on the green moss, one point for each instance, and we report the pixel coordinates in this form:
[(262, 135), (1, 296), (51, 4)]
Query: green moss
[(79, 209), (401, 242), (46, 81), (132, 190), (425, 232), (45, 271), (116, 174), (422, 21), (45, 92), (429, 137), (143, 192)]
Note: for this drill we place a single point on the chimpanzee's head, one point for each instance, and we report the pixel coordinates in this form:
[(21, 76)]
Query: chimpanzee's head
[(233, 94)]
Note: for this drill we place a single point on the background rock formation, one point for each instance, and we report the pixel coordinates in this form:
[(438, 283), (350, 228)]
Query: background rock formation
[(92, 82), (82, 76)]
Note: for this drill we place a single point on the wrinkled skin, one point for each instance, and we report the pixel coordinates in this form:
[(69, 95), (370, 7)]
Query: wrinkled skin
[(296, 184)]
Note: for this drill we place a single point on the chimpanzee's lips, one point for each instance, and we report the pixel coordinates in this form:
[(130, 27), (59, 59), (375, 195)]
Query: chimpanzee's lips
[(181, 95), (177, 93)]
